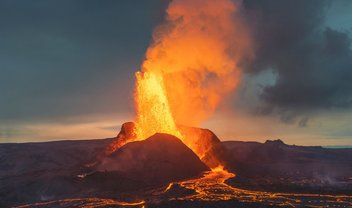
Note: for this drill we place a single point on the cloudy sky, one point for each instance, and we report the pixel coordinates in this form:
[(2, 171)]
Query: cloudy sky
[(67, 70)]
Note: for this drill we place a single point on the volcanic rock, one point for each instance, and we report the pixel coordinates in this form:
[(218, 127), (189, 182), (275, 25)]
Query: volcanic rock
[(125, 135), (207, 143), (159, 159)]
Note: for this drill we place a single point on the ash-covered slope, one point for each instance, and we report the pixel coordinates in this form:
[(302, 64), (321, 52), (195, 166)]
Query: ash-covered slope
[(160, 158)]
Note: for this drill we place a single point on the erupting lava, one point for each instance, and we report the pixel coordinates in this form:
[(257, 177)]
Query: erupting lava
[(154, 114), (191, 66)]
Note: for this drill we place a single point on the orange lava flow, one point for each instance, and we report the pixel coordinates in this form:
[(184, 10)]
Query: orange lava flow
[(213, 187)]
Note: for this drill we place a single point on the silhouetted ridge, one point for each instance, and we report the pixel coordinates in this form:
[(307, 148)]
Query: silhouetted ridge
[(277, 142)]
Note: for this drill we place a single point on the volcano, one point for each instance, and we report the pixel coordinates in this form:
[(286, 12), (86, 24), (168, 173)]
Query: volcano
[(203, 141), (161, 171)]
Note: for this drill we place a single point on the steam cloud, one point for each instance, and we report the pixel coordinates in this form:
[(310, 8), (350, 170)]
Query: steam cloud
[(198, 52)]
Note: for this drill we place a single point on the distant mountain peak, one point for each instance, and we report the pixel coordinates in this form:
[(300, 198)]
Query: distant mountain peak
[(277, 142)]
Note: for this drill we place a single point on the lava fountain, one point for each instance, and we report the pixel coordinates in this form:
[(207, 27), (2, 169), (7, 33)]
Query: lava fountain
[(192, 64)]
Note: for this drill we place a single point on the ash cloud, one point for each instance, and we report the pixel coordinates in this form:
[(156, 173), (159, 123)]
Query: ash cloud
[(312, 61)]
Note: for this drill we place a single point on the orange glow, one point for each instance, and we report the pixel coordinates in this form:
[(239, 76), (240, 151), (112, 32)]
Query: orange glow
[(153, 108), (189, 69), (218, 169)]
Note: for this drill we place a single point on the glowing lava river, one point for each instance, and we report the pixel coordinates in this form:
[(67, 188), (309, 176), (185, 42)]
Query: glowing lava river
[(210, 190), (212, 187)]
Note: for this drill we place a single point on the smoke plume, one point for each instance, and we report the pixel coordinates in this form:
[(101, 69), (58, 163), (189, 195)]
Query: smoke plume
[(197, 53)]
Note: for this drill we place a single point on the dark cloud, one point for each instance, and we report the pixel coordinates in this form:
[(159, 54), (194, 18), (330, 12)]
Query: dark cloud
[(313, 62), (63, 57)]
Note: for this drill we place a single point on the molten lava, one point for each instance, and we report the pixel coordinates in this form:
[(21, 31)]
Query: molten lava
[(153, 110)]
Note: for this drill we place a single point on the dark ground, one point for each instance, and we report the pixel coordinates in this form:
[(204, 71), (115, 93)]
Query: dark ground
[(35, 172), (275, 166)]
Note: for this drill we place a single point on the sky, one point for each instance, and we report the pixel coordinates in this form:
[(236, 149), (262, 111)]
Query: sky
[(67, 70)]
